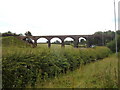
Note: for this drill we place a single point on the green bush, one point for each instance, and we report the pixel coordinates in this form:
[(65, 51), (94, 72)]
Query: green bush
[(112, 44), (23, 66)]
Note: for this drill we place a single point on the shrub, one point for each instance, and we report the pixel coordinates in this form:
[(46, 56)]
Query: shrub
[(23, 66), (112, 44)]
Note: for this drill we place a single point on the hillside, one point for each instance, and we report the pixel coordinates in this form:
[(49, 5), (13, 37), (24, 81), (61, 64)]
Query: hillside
[(12, 41)]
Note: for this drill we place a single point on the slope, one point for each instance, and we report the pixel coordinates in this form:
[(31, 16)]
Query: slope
[(13, 41)]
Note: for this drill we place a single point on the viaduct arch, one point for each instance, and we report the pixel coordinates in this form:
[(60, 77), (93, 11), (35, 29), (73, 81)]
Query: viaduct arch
[(61, 37)]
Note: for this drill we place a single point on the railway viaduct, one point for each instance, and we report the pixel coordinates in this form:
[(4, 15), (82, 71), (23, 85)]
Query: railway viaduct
[(61, 37)]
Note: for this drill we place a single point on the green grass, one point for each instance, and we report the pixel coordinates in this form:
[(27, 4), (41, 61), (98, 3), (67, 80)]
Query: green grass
[(11, 41), (100, 74), (53, 46)]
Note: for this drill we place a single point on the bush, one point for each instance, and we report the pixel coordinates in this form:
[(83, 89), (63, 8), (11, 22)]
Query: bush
[(23, 66), (112, 44)]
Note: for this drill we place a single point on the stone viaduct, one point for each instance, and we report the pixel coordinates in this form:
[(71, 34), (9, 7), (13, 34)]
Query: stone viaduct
[(61, 37)]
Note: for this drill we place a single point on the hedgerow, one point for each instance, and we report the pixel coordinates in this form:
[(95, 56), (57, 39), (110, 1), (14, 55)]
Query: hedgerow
[(24, 66)]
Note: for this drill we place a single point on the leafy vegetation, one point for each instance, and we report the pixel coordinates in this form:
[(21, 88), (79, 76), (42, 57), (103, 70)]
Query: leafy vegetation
[(28, 33), (102, 38), (9, 33), (23, 66), (112, 44), (101, 74)]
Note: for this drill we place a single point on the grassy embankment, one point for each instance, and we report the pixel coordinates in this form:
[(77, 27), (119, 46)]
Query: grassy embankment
[(13, 42), (33, 66)]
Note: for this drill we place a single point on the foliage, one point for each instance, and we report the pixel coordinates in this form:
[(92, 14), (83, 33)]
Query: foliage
[(112, 44), (23, 66), (28, 33), (29, 40), (68, 42), (101, 74), (102, 38), (9, 33), (56, 42)]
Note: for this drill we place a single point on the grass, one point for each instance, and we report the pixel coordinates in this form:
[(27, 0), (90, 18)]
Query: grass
[(12, 41), (100, 74), (53, 46)]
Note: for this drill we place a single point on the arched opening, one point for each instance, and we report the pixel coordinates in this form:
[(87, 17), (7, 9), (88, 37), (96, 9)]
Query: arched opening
[(55, 41), (82, 42), (69, 41), (42, 42)]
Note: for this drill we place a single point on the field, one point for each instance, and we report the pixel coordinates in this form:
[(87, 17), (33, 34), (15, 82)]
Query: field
[(24, 66)]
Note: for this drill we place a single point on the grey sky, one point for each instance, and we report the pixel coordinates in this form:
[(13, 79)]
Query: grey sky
[(56, 17)]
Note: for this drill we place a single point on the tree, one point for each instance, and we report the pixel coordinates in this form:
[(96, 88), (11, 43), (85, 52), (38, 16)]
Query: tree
[(29, 40), (68, 42), (20, 34), (9, 33), (56, 42), (28, 33), (112, 45), (101, 38), (83, 41)]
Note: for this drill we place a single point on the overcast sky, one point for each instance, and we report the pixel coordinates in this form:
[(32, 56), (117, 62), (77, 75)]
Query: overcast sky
[(56, 17)]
